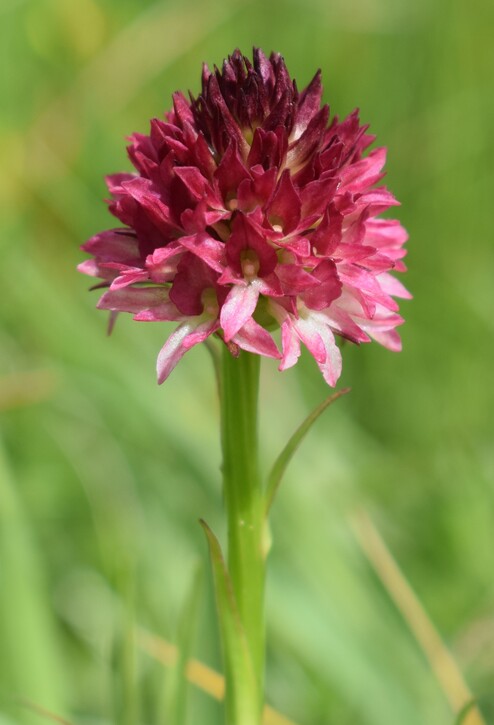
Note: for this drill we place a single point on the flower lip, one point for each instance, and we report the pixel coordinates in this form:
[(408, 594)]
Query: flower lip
[(250, 209), (250, 264)]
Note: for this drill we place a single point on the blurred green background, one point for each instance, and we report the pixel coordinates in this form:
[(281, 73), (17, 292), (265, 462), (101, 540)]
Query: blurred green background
[(103, 475)]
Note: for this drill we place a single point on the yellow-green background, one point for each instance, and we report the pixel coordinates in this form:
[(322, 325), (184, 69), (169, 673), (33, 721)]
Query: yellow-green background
[(104, 475)]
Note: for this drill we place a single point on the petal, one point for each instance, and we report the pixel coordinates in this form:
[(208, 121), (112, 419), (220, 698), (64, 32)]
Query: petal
[(182, 110), (256, 192), (318, 337), (210, 250), (331, 368), (392, 286), (328, 289), (193, 277), (366, 284), (231, 171), (93, 269), (254, 338), (389, 339), (114, 182), (195, 182), (157, 211), (316, 195), (245, 236), (162, 263), (364, 173), (328, 234), (294, 279), (133, 299), (300, 150), (130, 276), (308, 105), (291, 345), (377, 200), (285, 206), (114, 245), (385, 233), (228, 122), (200, 333), (341, 323), (172, 351), (238, 307), (268, 148), (180, 341)]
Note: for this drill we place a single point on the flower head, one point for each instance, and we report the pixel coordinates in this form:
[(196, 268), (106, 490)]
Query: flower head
[(250, 211)]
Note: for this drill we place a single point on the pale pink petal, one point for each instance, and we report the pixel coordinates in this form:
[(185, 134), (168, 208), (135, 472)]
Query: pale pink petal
[(164, 312), (254, 338), (309, 333), (129, 277), (180, 341), (238, 307), (291, 345), (172, 351), (133, 299), (114, 245), (341, 322), (317, 336), (201, 332), (389, 339), (392, 286), (331, 367), (92, 268)]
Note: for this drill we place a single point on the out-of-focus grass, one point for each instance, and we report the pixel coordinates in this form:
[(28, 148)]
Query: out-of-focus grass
[(105, 475)]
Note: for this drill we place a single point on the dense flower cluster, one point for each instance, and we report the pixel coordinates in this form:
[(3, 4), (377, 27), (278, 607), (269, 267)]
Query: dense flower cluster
[(250, 211)]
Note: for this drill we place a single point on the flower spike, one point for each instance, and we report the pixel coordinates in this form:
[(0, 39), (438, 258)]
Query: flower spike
[(249, 209)]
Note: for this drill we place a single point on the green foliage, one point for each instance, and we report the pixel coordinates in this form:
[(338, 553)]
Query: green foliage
[(105, 474), (177, 689)]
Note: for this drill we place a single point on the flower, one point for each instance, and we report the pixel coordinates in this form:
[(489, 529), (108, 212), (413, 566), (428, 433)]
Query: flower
[(251, 211)]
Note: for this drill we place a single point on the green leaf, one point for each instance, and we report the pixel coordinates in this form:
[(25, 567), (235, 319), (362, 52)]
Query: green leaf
[(239, 671), (280, 465), (176, 689), (124, 655), (29, 661)]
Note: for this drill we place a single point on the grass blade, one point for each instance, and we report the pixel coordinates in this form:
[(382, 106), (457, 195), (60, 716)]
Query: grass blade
[(29, 665), (440, 659), (198, 674), (176, 690)]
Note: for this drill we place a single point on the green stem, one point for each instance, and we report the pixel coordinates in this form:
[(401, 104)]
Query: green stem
[(245, 513)]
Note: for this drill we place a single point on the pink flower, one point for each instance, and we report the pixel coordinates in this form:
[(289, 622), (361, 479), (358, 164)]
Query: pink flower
[(249, 211)]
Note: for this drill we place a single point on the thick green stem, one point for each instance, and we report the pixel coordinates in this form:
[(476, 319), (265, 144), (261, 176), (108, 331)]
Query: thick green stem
[(245, 513)]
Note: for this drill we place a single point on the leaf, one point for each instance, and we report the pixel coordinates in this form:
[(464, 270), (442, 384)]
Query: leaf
[(280, 465), (239, 671), (176, 690), (124, 656), (26, 619)]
